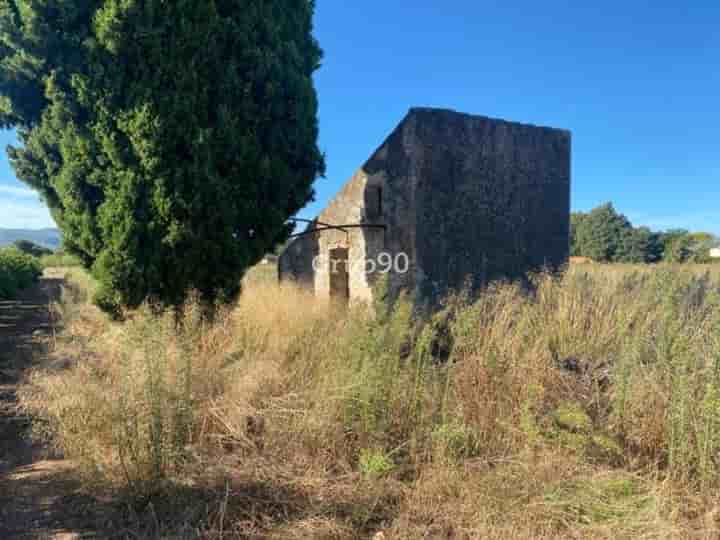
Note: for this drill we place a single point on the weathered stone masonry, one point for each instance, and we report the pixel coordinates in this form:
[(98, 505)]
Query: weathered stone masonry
[(468, 199)]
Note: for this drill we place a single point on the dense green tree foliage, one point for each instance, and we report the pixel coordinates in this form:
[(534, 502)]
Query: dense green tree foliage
[(171, 140), (602, 234), (642, 246), (605, 235)]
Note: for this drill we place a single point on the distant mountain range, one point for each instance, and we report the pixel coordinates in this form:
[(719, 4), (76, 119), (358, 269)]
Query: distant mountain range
[(50, 238)]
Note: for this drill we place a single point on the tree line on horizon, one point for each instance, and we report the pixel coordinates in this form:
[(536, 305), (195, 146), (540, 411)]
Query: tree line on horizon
[(605, 235)]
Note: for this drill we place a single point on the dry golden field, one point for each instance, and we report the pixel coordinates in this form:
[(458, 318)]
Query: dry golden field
[(587, 409)]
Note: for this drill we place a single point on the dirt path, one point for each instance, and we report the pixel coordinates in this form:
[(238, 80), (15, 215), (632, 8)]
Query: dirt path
[(38, 498)]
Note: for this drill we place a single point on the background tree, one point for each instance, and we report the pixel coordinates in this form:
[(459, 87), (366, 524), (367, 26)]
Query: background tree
[(677, 245), (640, 245), (701, 243), (602, 234), (605, 235), (171, 140), (31, 248)]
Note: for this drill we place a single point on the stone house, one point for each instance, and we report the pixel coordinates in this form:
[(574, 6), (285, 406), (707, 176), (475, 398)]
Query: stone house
[(448, 200), (715, 253)]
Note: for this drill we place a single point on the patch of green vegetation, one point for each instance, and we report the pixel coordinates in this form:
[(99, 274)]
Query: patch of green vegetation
[(596, 448), (600, 499), (573, 441), (59, 259), (375, 462), (571, 416), (606, 448), (455, 441), (574, 431)]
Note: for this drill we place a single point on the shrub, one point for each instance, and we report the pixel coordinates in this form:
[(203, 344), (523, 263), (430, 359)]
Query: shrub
[(59, 259), (18, 271), (375, 462)]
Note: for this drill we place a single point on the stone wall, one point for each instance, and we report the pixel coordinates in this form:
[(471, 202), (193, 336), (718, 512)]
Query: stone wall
[(466, 199), (492, 199), (352, 205)]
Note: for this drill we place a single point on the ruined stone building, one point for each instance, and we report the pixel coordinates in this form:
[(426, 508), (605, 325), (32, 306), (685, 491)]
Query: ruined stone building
[(448, 200)]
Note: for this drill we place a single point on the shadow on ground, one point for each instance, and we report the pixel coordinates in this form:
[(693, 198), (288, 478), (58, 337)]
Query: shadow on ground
[(38, 496)]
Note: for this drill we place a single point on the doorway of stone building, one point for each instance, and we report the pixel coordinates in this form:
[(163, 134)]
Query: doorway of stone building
[(339, 276)]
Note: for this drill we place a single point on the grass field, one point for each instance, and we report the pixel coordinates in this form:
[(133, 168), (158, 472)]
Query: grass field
[(588, 409)]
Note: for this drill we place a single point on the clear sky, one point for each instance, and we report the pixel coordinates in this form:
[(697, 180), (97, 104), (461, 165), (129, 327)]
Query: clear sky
[(637, 83)]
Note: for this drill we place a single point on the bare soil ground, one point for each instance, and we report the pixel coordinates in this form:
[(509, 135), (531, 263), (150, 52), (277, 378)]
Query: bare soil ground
[(38, 496)]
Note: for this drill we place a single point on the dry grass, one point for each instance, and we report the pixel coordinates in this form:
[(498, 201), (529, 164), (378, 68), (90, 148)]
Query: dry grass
[(589, 408)]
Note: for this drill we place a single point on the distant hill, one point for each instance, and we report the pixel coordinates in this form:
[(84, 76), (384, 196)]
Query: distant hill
[(49, 238)]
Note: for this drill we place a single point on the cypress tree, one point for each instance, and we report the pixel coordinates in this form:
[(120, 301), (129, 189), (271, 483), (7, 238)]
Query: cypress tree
[(170, 140)]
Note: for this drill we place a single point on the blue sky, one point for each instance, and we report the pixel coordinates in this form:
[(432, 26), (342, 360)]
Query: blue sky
[(637, 83)]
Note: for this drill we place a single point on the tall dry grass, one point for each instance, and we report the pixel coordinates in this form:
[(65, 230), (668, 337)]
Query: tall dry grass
[(588, 407)]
